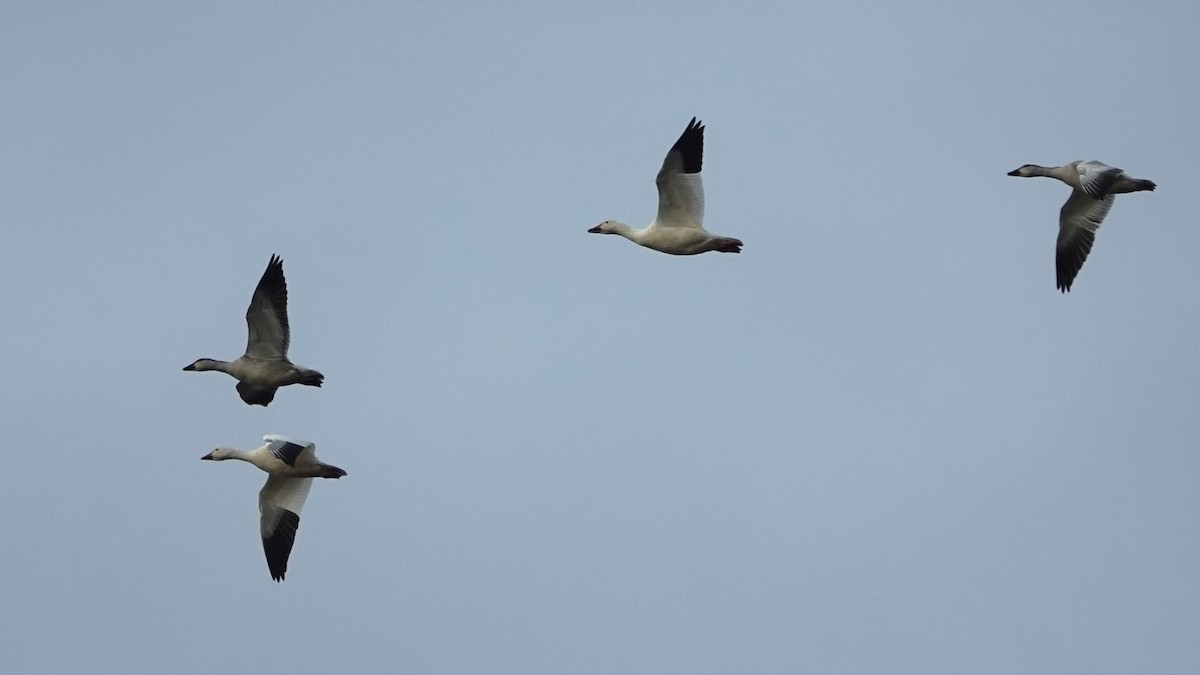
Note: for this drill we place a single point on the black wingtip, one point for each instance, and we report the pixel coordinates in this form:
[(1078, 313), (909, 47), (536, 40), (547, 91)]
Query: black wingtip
[(273, 275), (1066, 275), (278, 547), (272, 278), (1068, 264), (1072, 252), (691, 146)]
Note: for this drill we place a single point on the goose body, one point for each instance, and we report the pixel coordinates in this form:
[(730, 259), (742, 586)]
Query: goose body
[(679, 227), (265, 366), (1093, 186), (290, 465)]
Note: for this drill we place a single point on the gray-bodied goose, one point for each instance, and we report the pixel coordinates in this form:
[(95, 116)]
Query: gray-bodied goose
[(1093, 185), (265, 366)]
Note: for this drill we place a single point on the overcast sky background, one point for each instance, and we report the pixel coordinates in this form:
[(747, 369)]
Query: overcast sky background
[(878, 440)]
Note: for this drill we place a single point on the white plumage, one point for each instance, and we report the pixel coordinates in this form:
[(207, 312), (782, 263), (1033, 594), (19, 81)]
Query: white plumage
[(291, 465), (678, 228)]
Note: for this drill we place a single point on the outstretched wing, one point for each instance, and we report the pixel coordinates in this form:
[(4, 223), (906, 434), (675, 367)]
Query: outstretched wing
[(680, 192), (1078, 221), (266, 318), (279, 504)]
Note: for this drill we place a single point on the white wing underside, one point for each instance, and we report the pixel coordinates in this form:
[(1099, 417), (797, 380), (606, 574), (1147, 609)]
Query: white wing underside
[(680, 196), (279, 495), (268, 336), (1082, 212)]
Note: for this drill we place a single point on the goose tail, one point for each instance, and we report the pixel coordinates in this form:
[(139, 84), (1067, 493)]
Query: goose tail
[(331, 471), (728, 245), (312, 378)]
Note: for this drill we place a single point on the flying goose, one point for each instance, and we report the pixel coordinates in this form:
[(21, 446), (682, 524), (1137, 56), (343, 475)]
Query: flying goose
[(1093, 185), (291, 465), (265, 366), (678, 228)]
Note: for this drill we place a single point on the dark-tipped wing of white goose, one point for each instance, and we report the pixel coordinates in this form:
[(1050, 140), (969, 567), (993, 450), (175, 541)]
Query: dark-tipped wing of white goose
[(1078, 221), (288, 450), (279, 504), (1096, 177), (266, 317), (680, 191)]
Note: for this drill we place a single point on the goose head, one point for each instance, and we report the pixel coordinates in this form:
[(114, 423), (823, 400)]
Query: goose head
[(1026, 171), (608, 227), (219, 454), (202, 364)]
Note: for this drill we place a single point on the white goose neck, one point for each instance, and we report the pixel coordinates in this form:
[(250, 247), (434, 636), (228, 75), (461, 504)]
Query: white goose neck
[(627, 232)]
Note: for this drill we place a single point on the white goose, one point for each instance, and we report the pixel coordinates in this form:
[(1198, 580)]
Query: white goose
[(265, 366), (291, 465), (678, 229), (1093, 185)]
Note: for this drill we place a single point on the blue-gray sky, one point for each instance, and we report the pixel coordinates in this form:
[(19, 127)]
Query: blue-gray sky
[(878, 440)]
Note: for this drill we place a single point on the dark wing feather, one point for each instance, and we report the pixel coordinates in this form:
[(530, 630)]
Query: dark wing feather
[(278, 546), (687, 155), (266, 318), (1073, 250), (1078, 221), (680, 190), (256, 395), (287, 452), (279, 504)]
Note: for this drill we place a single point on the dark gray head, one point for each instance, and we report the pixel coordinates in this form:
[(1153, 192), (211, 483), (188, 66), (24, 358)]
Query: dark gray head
[(1025, 171), (202, 364)]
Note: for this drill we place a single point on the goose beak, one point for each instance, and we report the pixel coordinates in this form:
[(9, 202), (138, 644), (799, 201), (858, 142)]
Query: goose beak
[(208, 456), (1014, 172), (192, 366), (595, 230)]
